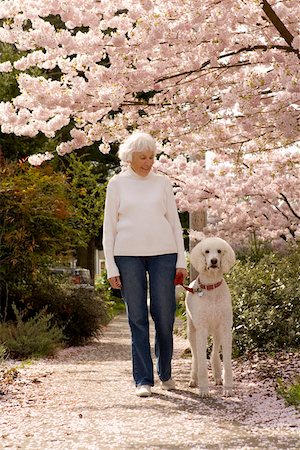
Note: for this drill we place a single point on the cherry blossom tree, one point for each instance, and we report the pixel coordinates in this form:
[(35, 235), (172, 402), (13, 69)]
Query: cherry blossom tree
[(258, 198), (200, 75)]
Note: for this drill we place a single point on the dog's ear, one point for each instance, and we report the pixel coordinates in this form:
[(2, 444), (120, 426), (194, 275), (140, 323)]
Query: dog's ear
[(197, 259), (228, 259)]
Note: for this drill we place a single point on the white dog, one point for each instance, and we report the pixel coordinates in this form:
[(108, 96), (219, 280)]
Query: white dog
[(209, 312)]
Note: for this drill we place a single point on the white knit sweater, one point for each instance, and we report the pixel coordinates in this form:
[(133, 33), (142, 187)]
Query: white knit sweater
[(140, 219)]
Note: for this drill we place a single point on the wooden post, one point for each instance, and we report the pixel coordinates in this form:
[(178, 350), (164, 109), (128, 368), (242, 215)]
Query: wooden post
[(197, 222), (197, 219)]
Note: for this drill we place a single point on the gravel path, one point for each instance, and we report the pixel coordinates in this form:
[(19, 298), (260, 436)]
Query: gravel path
[(84, 399)]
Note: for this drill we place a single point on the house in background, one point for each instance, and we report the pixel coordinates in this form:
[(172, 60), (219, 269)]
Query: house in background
[(91, 258)]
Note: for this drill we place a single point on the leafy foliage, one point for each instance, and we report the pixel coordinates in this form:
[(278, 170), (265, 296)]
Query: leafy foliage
[(34, 224), (36, 337), (112, 297), (266, 302), (290, 392), (80, 312), (9, 84), (2, 352), (87, 193)]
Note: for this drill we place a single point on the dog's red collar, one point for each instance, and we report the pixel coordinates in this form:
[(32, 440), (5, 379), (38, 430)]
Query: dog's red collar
[(207, 287)]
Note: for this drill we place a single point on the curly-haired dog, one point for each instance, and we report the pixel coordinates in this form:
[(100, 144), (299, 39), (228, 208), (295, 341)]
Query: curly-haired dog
[(209, 312)]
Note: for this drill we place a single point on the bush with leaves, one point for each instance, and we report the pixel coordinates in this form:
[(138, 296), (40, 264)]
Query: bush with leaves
[(266, 302), (34, 229), (290, 392), (265, 292), (87, 192), (35, 337), (3, 352), (112, 297), (80, 312)]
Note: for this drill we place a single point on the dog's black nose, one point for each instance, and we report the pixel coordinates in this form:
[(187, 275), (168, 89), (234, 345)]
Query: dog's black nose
[(214, 261)]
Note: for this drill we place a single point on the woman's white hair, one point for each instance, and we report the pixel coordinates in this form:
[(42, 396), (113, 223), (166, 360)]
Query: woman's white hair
[(136, 142)]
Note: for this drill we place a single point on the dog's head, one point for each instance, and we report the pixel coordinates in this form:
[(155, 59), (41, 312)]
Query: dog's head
[(212, 254)]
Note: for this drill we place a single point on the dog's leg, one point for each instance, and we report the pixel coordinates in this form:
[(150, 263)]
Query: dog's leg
[(227, 367), (215, 359), (201, 340), (191, 334)]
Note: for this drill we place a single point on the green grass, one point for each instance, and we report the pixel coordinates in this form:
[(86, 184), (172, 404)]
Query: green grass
[(290, 392)]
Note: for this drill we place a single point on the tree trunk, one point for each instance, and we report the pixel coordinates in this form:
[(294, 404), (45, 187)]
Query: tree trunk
[(198, 221)]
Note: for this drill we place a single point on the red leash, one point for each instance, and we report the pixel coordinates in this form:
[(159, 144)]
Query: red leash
[(208, 287), (178, 280)]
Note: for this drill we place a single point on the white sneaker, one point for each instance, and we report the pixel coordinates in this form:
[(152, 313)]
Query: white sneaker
[(168, 385), (143, 391)]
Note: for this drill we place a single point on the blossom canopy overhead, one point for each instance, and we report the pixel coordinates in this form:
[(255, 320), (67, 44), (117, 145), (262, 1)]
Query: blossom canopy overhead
[(199, 75)]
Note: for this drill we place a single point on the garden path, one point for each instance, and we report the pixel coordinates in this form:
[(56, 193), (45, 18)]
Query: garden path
[(83, 399)]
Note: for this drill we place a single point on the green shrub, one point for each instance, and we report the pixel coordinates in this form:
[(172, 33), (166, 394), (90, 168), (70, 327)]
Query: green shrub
[(290, 392), (112, 297), (87, 315), (2, 352), (36, 337), (35, 227), (266, 303), (79, 312), (44, 217)]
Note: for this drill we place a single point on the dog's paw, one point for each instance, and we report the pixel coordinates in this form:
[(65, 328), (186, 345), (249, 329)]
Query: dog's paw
[(203, 393), (218, 381), (192, 383), (227, 392)]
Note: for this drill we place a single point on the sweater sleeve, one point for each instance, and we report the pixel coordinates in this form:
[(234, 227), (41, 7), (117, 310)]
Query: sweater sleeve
[(110, 227), (173, 218)]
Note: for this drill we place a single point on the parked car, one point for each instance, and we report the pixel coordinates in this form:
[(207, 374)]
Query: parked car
[(80, 277)]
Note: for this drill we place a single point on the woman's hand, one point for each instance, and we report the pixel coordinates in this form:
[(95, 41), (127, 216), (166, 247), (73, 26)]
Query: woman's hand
[(181, 273), (115, 282)]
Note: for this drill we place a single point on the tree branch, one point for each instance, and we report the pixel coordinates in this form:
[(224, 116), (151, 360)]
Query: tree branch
[(233, 53), (278, 24), (289, 205)]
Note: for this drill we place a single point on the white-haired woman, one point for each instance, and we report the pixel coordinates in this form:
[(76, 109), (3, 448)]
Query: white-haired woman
[(143, 236)]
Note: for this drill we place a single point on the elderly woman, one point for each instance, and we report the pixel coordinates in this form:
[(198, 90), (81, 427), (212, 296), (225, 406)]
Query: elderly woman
[(143, 236)]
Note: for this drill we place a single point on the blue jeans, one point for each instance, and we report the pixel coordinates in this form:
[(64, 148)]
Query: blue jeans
[(161, 270)]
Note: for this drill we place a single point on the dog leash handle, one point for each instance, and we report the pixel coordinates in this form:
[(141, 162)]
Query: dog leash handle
[(178, 280)]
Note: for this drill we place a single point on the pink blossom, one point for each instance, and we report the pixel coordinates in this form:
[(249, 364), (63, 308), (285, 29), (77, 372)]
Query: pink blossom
[(6, 66), (104, 148), (39, 158), (219, 77)]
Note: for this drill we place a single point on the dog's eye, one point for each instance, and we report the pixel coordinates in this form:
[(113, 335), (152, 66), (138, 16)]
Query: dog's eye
[(206, 251), (219, 251)]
